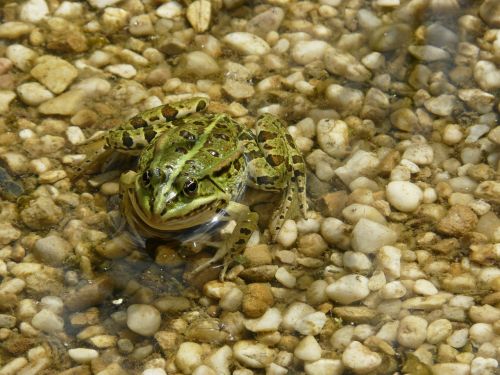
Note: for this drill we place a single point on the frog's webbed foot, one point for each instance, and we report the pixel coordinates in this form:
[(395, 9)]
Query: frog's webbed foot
[(246, 224)]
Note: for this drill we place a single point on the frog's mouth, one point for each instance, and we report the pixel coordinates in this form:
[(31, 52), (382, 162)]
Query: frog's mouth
[(201, 211)]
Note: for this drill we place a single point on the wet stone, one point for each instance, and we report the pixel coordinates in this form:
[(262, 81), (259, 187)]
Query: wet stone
[(41, 213)]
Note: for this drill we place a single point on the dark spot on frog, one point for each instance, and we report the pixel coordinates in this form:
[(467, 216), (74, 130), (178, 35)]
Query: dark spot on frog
[(274, 160), (127, 140), (138, 122), (265, 136), (202, 104), (187, 135), (169, 112), (181, 150), (149, 135)]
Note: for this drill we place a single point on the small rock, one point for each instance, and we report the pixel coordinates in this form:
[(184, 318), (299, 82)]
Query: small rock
[(66, 104), (33, 93), (34, 11), (490, 13), (52, 250), (311, 324), (294, 313), (307, 51), (169, 10), (83, 355), (268, 322), (412, 331), (345, 65), (484, 314), (247, 43), (451, 369), (483, 366), (345, 100), (308, 349), (188, 357), (404, 195), (143, 319), (14, 29), (257, 299), (199, 15), (6, 97), (47, 321), (459, 221), (421, 154), (141, 25), (122, 70), (252, 354), (369, 236), (238, 90), (199, 63), (54, 73), (21, 56), (390, 37), (264, 22), (442, 105), (348, 289), (41, 213), (360, 359), (288, 234), (285, 277), (428, 53), (438, 331), (324, 367), (333, 137), (102, 3), (8, 233), (487, 75)]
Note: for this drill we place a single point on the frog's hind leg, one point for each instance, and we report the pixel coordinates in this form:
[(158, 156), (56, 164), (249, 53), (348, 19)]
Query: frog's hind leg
[(96, 153), (284, 168)]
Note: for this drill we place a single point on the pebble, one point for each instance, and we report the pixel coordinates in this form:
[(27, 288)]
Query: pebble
[(54, 73), (34, 11), (141, 25), (122, 70), (21, 56), (307, 51), (348, 289), (83, 355), (33, 93), (288, 234), (6, 97), (458, 338), (52, 250), (41, 213), (285, 277), (390, 37), (412, 331), (360, 359), (143, 319), (483, 366), (424, 287), (345, 65), (257, 299), (443, 105), (345, 99), (308, 349), (490, 13), (8, 233), (201, 64), (220, 361), (169, 10), (428, 53), (270, 321), (393, 289), (294, 313), (438, 331), (369, 236), (459, 221), (47, 321), (265, 22), (14, 29), (247, 43), (102, 3), (66, 104), (487, 75), (188, 357), (324, 367), (404, 195), (311, 324), (253, 354), (333, 137), (159, 371), (420, 154), (451, 369)]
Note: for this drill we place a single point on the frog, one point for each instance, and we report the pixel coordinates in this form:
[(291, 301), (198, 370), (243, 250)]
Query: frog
[(194, 168)]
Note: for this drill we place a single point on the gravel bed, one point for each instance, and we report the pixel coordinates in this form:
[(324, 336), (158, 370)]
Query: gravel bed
[(395, 269)]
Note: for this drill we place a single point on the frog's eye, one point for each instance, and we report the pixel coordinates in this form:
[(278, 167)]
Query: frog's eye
[(190, 187), (146, 178)]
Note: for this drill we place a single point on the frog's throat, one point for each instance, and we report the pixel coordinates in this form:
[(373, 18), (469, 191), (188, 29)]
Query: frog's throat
[(199, 211)]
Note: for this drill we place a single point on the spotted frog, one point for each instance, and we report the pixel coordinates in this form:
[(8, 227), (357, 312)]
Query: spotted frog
[(195, 168)]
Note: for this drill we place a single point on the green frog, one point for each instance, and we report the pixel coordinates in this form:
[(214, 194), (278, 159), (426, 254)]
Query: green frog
[(196, 168)]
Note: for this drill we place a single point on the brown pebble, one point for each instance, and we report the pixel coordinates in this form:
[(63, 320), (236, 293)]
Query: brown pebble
[(89, 295), (458, 221), (332, 204), (258, 255), (257, 299)]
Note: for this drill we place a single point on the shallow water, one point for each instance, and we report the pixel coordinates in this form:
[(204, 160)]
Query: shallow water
[(394, 269)]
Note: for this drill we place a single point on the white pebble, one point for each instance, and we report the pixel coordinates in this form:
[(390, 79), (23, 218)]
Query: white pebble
[(33, 93), (169, 10), (404, 195), (252, 354), (394, 289), (143, 319), (247, 43), (75, 135), (348, 289), (288, 233), (122, 70), (412, 331), (458, 338), (295, 312), (270, 321), (369, 236), (438, 331), (285, 277), (324, 367), (47, 321), (188, 357), (421, 154), (483, 366), (360, 359), (308, 349), (451, 369), (311, 324), (83, 355), (481, 333), (424, 287), (34, 11)]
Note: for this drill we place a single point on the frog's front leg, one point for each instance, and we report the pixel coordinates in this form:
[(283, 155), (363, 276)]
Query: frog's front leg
[(246, 224)]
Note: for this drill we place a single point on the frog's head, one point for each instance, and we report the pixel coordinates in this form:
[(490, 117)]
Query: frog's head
[(171, 192)]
